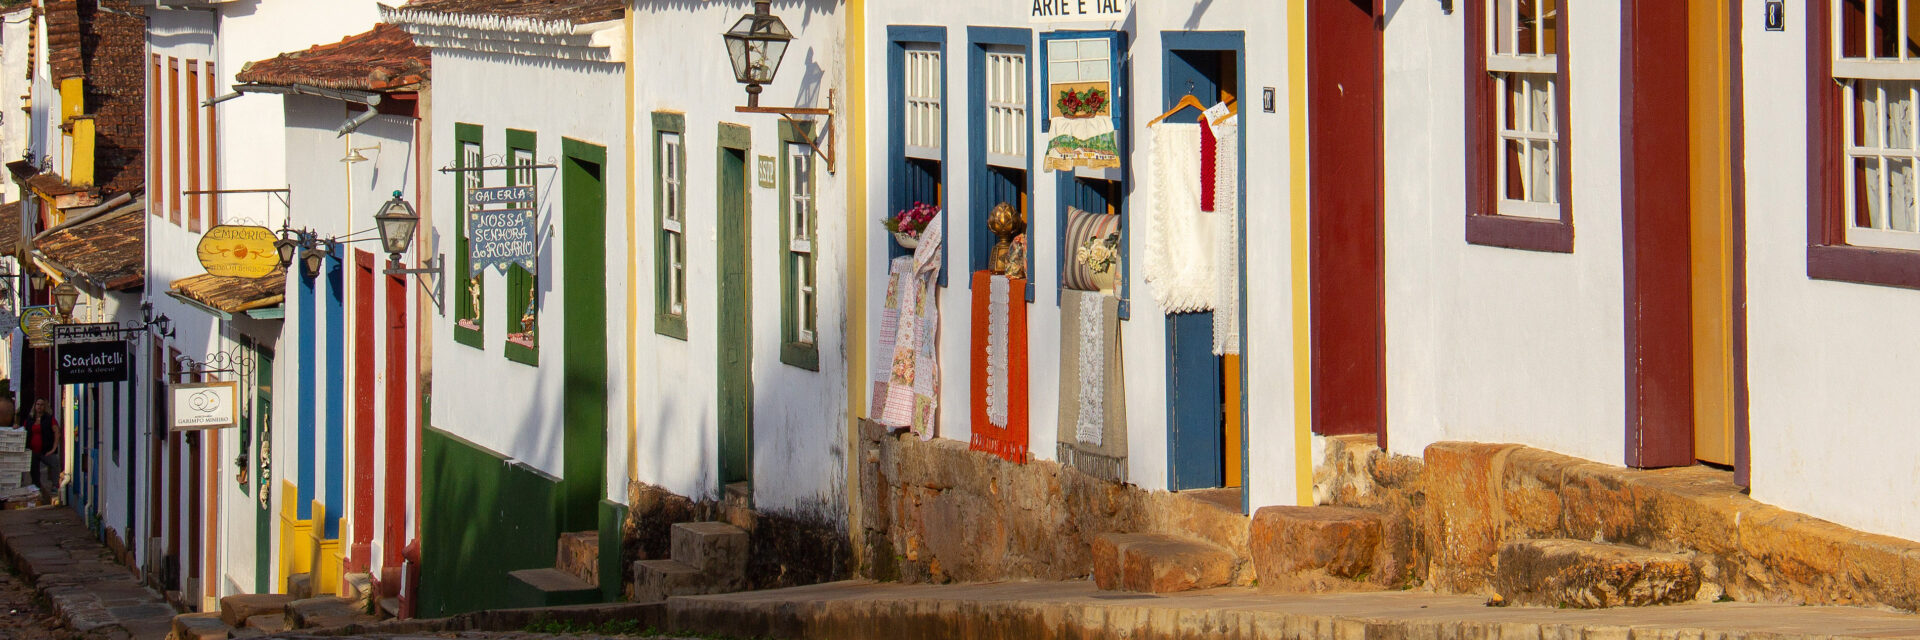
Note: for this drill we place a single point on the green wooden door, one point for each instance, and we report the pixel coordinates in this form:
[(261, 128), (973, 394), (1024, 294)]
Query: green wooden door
[(583, 239), (736, 324)]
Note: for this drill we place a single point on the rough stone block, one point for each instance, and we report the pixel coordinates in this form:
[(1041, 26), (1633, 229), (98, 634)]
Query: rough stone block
[(268, 622), (1109, 559), (550, 580), (1461, 526), (1592, 575), (322, 612), (300, 586), (358, 590), (235, 610), (579, 555), (200, 626), (1315, 548), (657, 580), (717, 549), (1165, 564)]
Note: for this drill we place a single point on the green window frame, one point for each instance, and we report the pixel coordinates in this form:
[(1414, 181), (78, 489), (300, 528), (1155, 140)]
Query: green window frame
[(669, 222), (799, 249), (522, 341), (468, 152)]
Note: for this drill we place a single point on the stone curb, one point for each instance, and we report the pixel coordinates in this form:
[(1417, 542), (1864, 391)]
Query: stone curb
[(90, 596)]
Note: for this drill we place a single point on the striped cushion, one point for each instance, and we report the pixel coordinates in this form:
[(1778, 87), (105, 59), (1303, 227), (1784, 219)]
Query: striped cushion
[(1082, 225)]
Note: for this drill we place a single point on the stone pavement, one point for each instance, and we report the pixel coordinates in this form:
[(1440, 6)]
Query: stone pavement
[(52, 548), (1041, 610)]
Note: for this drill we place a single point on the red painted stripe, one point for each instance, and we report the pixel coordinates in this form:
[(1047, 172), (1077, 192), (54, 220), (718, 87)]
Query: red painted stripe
[(363, 398), (1658, 254), (393, 538)]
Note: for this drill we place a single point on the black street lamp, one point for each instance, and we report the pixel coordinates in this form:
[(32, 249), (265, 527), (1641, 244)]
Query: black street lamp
[(65, 297), (396, 222), (315, 257), (755, 46)]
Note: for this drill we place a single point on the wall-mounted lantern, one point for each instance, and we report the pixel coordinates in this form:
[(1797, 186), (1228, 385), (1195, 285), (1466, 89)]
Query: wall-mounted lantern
[(65, 297), (755, 46), (397, 223)]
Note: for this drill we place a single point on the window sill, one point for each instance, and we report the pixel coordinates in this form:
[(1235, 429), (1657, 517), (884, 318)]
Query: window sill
[(522, 353), (670, 325), (802, 355), (1526, 234), (469, 336), (1864, 265)]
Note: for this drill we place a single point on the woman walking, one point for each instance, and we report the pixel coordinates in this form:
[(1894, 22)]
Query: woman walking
[(43, 438)]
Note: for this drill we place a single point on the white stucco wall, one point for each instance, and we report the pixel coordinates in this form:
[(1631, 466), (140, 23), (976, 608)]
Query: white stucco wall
[(1485, 343), (16, 29), (1831, 426), (479, 395), (1268, 334), (799, 416)]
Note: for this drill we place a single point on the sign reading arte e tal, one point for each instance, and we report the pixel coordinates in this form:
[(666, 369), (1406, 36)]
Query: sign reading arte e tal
[(238, 251), (203, 405), (90, 353), (1053, 11)]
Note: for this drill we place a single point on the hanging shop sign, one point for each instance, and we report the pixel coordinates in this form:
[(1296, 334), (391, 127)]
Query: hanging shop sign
[(1058, 11), (1084, 129), (238, 251), (204, 405), (8, 322), (38, 323), (499, 195), (500, 237), (92, 353)]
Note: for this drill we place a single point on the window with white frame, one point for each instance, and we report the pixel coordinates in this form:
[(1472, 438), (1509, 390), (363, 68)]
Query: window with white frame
[(1877, 65), (800, 257), (924, 87), (1006, 104), (673, 214), (1523, 60), (471, 304)]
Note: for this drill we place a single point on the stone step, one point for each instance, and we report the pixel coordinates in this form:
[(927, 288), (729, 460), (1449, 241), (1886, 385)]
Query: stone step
[(323, 612), (579, 555), (1318, 549), (716, 549), (657, 580), (739, 494), (551, 580), (235, 610), (200, 626), (1592, 575), (389, 608), (1157, 563), (357, 588), (268, 622), (300, 586)]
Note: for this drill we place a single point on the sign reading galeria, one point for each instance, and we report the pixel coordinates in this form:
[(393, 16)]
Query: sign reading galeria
[(1055, 11), (204, 405), (238, 251), (90, 353)]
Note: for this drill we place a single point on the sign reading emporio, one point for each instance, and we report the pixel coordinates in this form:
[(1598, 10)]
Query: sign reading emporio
[(203, 405), (1055, 11)]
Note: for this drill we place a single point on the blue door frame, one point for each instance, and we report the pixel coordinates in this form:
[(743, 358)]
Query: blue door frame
[(1195, 411), (307, 442), (336, 391)]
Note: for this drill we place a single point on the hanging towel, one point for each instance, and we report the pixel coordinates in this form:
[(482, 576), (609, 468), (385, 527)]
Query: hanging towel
[(907, 388), (1093, 408), (1181, 241), (1226, 190), (999, 366)]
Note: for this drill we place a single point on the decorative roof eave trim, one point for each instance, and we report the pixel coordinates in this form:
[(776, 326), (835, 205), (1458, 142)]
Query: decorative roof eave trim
[(492, 22), (369, 98)]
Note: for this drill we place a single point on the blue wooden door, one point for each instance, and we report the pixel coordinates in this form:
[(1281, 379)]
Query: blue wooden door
[(1195, 420)]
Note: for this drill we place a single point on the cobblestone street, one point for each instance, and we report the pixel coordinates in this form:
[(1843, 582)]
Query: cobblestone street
[(26, 617)]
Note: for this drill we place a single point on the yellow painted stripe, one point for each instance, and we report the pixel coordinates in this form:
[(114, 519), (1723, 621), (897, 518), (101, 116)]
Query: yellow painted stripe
[(856, 181), (633, 273), (1711, 160), (1302, 286)]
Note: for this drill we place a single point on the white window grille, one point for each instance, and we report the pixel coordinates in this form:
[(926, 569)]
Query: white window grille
[(1006, 117), (1522, 57), (800, 239), (1077, 61), (923, 111), (1877, 63), (673, 220)]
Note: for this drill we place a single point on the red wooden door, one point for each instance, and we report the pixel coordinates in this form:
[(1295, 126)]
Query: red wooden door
[(1656, 181), (363, 398), (395, 461), (1345, 192)]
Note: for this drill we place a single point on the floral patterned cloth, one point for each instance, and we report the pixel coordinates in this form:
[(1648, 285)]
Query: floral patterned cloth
[(907, 386)]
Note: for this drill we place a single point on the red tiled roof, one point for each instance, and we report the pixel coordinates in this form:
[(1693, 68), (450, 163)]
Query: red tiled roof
[(104, 41), (234, 295), (383, 59), (575, 11), (9, 228), (110, 251)]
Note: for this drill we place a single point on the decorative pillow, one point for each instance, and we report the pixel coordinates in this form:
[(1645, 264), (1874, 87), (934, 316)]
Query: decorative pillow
[(1082, 225)]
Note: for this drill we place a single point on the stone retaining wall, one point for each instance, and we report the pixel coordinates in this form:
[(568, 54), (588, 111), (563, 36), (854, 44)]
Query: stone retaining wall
[(935, 511), (1464, 500), (784, 550)]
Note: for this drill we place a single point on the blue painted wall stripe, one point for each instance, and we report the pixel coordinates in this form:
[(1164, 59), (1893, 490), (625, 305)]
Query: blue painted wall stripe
[(307, 406), (336, 392)]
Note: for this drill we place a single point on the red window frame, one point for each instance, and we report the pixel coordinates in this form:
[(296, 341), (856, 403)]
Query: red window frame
[(1485, 225), (1829, 257)]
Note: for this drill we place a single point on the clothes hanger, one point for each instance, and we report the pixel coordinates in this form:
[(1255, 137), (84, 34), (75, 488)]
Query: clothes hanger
[(1233, 109), (1185, 101)]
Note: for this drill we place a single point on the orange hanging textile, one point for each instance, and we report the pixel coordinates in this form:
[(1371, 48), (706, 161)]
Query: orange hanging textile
[(999, 366)]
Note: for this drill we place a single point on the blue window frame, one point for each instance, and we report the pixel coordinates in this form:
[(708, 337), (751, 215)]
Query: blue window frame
[(1094, 191), (999, 151), (919, 175)]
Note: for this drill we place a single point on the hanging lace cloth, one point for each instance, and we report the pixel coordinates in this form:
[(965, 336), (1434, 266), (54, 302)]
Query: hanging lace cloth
[(1181, 239), (1226, 201)]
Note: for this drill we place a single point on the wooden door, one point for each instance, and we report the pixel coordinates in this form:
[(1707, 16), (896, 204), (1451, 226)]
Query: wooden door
[(394, 455), (583, 238), (1345, 220), (735, 320), (1715, 244), (1657, 220), (364, 394), (262, 478)]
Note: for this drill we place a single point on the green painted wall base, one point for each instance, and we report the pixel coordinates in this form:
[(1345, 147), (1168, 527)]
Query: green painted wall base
[(481, 517)]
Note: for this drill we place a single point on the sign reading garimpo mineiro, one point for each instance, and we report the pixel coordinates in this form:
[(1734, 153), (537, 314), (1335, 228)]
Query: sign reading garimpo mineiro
[(238, 251), (203, 405)]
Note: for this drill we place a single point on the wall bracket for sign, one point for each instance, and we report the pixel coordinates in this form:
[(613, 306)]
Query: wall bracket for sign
[(285, 195), (499, 163), (789, 114), (237, 362)]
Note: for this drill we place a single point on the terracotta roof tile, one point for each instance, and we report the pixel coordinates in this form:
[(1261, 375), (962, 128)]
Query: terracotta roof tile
[(234, 295), (110, 251), (10, 228), (383, 59), (575, 11)]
